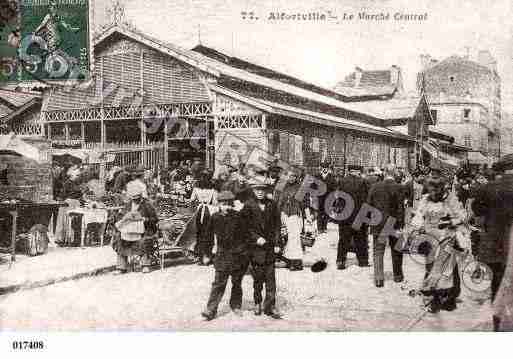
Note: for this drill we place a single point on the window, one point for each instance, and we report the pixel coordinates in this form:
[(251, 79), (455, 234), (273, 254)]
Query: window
[(434, 114), (466, 114)]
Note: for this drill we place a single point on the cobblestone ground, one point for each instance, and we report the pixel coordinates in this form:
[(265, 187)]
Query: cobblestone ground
[(173, 299)]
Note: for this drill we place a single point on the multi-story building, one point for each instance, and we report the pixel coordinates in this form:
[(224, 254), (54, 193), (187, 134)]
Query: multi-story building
[(465, 100), (506, 134)]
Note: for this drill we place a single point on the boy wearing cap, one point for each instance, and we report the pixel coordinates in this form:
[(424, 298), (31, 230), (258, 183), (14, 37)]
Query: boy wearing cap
[(230, 256)]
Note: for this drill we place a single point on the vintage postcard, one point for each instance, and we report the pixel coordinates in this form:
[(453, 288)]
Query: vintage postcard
[(294, 166)]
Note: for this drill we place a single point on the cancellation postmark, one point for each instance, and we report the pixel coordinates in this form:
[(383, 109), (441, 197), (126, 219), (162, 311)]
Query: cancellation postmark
[(54, 39)]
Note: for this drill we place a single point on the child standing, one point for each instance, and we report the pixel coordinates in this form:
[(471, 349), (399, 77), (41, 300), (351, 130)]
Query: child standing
[(231, 258)]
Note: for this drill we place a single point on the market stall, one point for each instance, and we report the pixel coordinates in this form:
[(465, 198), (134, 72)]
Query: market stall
[(26, 203)]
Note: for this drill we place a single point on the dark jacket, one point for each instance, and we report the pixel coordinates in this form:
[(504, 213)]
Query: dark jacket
[(242, 191), (494, 201), (331, 184), (122, 178), (265, 224), (388, 197), (358, 189), (231, 246)]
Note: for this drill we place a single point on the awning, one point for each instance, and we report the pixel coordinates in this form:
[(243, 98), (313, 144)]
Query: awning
[(477, 158), (13, 144), (86, 156), (440, 156)]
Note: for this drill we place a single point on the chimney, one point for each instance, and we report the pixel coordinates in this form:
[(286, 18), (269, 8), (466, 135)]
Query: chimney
[(394, 74), (357, 76)]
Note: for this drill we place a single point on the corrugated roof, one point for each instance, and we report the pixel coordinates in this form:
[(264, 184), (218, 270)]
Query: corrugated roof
[(387, 110), (373, 83), (263, 71), (292, 111), (17, 98), (4, 110)]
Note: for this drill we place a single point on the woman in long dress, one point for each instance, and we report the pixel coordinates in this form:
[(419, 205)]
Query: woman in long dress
[(292, 217), (438, 220)]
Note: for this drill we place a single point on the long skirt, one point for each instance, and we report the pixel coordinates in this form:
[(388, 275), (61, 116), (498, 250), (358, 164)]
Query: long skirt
[(442, 282), (204, 237), (293, 248)]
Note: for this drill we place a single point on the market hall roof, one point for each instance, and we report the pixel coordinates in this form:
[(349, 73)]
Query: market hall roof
[(255, 81), (312, 116), (374, 84), (14, 102)]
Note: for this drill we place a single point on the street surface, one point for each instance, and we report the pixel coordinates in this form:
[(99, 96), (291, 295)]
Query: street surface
[(172, 299)]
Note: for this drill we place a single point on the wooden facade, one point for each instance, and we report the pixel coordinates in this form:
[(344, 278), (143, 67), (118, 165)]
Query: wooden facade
[(151, 103)]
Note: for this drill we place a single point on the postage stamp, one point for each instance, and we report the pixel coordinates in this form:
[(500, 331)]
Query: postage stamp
[(55, 38)]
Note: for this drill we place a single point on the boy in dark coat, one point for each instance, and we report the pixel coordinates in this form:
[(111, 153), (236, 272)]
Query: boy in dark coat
[(231, 258)]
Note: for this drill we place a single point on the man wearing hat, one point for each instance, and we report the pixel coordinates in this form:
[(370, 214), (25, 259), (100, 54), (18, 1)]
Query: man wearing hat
[(354, 185), (388, 197), (494, 201), (231, 258), (326, 176), (137, 227), (261, 219)]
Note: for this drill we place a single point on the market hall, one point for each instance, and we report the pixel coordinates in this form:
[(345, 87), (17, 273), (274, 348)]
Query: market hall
[(204, 89)]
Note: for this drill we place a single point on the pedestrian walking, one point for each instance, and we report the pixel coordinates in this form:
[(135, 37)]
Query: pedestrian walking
[(357, 188), (388, 197), (494, 201)]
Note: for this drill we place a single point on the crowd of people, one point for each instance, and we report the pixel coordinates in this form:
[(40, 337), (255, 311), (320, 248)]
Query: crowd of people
[(252, 218)]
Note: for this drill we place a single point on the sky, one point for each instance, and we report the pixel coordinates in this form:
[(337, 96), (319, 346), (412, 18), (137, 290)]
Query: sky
[(325, 52)]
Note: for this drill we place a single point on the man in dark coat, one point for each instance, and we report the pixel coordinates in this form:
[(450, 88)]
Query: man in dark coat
[(231, 258), (262, 223), (122, 179), (494, 201), (388, 197), (326, 176), (357, 188)]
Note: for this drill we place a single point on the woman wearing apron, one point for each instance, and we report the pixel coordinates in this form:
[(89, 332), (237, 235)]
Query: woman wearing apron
[(204, 194)]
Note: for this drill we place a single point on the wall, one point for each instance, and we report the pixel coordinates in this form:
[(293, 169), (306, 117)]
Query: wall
[(450, 121)]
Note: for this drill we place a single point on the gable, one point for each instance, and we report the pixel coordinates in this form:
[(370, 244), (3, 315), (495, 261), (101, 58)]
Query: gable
[(128, 69)]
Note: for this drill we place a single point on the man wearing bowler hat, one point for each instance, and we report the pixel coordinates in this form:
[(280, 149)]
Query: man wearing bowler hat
[(262, 222), (231, 258), (357, 188), (326, 176)]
